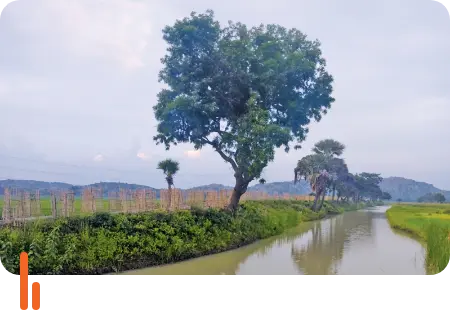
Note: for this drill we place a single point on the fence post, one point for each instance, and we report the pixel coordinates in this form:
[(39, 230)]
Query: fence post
[(6, 214), (53, 203)]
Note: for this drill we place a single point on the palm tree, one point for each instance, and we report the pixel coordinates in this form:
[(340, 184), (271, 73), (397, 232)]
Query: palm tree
[(313, 168), (319, 183), (338, 171), (170, 168), (308, 166), (329, 148)]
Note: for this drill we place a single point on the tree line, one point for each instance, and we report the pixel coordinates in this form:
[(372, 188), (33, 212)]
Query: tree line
[(327, 172), (432, 197)]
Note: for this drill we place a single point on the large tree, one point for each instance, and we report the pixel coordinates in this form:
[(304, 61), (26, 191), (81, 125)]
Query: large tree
[(170, 168), (368, 186), (243, 91)]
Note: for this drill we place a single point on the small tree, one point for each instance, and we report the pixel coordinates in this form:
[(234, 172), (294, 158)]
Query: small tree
[(262, 181), (386, 196), (170, 168), (242, 91), (439, 197)]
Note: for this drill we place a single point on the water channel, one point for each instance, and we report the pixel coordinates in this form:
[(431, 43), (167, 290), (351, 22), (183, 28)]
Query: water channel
[(358, 242)]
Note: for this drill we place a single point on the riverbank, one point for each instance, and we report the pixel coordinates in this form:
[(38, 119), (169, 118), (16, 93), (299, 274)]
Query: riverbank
[(105, 243), (430, 223)]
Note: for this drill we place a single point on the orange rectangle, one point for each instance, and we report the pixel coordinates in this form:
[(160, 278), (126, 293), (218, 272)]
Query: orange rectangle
[(36, 296), (24, 281)]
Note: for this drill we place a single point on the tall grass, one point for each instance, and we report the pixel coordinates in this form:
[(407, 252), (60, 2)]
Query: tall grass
[(438, 248), (430, 223)]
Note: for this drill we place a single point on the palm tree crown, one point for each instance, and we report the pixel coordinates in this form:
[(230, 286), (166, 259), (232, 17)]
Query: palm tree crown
[(329, 148), (170, 168)]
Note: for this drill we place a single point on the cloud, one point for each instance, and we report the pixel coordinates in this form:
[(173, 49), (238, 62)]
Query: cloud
[(98, 158), (192, 154), (143, 156), (80, 76), (113, 30)]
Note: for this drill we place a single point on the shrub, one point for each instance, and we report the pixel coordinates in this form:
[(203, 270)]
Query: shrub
[(104, 243)]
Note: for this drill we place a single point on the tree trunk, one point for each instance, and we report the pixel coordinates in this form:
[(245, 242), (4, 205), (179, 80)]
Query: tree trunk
[(334, 193), (316, 198), (323, 198), (239, 189), (169, 199)]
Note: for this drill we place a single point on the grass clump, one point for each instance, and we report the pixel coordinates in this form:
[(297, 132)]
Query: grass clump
[(429, 222), (104, 243)]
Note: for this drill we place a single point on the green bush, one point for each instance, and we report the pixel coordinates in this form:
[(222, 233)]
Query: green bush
[(104, 243)]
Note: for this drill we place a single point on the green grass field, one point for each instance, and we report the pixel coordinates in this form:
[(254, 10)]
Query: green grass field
[(430, 223), (46, 209)]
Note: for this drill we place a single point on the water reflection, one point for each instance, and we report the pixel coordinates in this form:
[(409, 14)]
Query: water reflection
[(359, 242), (322, 248)]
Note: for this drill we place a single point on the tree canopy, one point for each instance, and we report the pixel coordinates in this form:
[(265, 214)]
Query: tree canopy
[(329, 147), (327, 172), (243, 91), (432, 197)]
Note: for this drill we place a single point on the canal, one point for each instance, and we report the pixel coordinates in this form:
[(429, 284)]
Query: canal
[(358, 242)]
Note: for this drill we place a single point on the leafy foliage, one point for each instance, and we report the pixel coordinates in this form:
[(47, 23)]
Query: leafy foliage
[(105, 242), (329, 148), (386, 196), (243, 91)]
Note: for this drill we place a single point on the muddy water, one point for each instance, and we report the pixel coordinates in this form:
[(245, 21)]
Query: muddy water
[(359, 242)]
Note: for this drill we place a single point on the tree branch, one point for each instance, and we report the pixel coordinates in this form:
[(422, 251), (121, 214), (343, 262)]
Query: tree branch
[(222, 154)]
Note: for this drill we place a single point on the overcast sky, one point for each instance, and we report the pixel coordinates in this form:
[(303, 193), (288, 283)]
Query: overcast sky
[(78, 79)]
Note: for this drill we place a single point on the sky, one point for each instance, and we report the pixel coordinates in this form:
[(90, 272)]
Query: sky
[(78, 80)]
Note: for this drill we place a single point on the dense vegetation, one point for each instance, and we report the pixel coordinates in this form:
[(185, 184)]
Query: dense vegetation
[(326, 171), (432, 197), (429, 222), (104, 243)]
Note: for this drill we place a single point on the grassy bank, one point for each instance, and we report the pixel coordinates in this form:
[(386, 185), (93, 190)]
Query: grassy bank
[(104, 243), (429, 222)]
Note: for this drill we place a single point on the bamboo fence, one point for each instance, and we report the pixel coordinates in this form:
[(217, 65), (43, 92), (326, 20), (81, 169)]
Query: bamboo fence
[(20, 205)]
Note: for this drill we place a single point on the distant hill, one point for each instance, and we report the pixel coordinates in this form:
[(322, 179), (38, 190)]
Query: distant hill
[(46, 188), (301, 188), (399, 188), (210, 187), (409, 190)]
